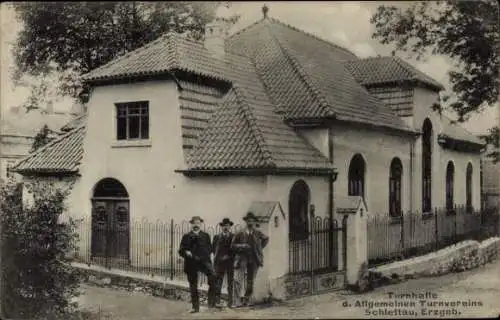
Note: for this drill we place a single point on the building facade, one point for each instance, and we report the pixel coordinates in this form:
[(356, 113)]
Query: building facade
[(181, 128)]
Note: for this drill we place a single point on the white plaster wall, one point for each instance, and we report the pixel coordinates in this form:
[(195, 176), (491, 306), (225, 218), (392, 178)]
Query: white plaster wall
[(144, 170), (460, 161), (423, 100), (278, 189), (378, 148), (318, 138)]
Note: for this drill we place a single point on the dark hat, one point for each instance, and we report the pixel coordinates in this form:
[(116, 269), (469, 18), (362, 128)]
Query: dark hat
[(226, 221), (195, 218), (250, 216)]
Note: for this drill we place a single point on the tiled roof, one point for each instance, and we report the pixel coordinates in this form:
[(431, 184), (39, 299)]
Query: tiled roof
[(455, 131), (385, 70), (75, 123), (166, 54), (305, 76), (62, 155), (244, 132)]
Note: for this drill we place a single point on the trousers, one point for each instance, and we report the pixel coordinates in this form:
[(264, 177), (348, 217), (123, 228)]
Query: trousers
[(192, 276), (225, 269), (245, 275)]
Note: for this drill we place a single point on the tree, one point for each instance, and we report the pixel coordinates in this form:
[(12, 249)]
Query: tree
[(36, 245), (67, 40), (465, 31), (41, 138)]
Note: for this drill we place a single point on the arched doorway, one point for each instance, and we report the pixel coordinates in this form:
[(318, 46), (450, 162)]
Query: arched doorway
[(298, 209), (110, 220)]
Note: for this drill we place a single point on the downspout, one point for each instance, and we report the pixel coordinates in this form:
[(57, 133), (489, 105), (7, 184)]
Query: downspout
[(412, 156), (331, 180)]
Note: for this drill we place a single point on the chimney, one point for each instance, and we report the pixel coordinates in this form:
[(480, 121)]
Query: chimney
[(216, 32)]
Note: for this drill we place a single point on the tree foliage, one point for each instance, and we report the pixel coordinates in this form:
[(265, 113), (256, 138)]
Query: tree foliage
[(465, 31), (41, 138), (70, 39), (37, 280)]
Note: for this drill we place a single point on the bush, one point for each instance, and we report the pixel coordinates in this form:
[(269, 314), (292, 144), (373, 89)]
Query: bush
[(37, 280)]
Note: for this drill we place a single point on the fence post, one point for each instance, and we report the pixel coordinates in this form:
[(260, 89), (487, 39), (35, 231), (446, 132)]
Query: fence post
[(171, 249), (436, 234), (402, 235), (455, 225)]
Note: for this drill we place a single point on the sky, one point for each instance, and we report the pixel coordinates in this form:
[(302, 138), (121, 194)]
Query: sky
[(344, 23)]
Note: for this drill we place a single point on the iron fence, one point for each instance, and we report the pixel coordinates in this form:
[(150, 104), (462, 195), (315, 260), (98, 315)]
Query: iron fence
[(411, 234), (148, 247), (318, 250)]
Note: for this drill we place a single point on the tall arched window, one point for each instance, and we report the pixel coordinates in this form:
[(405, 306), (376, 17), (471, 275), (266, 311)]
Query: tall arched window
[(468, 188), (427, 166), (357, 176), (395, 177), (298, 208), (450, 173)]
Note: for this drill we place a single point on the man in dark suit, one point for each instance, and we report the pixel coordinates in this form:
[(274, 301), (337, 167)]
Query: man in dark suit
[(196, 248), (224, 259), (248, 245)]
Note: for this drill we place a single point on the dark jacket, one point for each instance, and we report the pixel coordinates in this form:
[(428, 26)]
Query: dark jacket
[(222, 248), (243, 249), (200, 247)]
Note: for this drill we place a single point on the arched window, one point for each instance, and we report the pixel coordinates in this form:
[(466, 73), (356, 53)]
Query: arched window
[(110, 188), (427, 166), (357, 176), (395, 177), (450, 173), (468, 188), (298, 208)]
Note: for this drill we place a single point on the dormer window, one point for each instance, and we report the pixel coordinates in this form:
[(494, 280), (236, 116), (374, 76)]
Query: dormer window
[(132, 120)]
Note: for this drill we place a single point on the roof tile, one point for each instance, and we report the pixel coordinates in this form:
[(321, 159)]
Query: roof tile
[(384, 70), (62, 155)]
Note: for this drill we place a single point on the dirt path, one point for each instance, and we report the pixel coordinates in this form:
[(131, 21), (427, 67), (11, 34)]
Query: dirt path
[(478, 288)]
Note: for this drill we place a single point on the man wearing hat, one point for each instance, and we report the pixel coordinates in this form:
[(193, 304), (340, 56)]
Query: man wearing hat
[(248, 245), (224, 259), (196, 248)]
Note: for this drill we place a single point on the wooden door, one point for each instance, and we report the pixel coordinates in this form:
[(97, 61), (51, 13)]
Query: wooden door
[(120, 234), (100, 223), (110, 229)]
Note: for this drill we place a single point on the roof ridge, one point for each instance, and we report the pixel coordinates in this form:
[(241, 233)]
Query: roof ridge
[(253, 125), (48, 145), (403, 64), (311, 35), (277, 21), (253, 24), (302, 74), (166, 35)]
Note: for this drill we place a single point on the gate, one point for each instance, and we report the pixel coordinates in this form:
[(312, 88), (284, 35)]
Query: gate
[(314, 260)]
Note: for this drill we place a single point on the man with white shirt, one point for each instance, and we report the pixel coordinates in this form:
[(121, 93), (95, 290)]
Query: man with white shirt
[(248, 245), (196, 248)]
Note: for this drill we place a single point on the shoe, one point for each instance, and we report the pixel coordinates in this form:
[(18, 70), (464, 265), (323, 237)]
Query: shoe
[(194, 311)]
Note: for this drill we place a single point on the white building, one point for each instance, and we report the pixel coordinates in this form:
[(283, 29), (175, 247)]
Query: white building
[(180, 128)]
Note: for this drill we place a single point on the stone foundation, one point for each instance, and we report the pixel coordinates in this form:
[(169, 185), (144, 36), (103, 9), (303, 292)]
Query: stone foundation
[(458, 257)]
